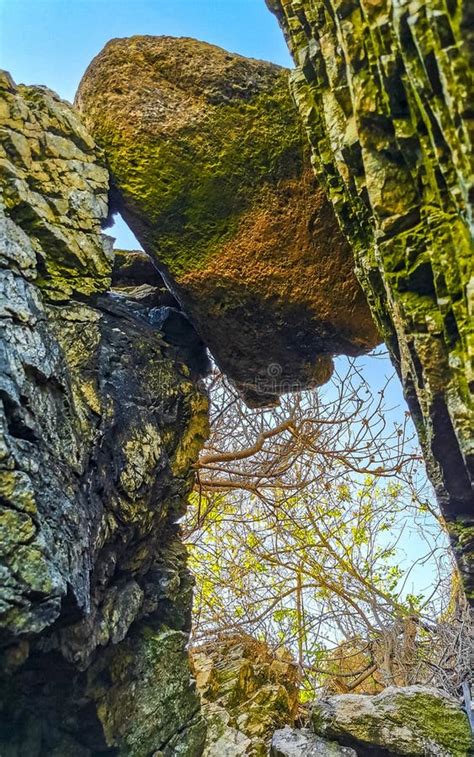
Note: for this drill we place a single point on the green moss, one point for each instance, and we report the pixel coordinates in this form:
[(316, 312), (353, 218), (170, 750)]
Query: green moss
[(410, 721), (192, 190), (15, 528), (150, 704), (194, 436), (429, 719), (54, 188), (382, 89), (15, 487)]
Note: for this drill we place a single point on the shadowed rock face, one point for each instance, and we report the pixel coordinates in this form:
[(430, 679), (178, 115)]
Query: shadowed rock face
[(100, 420), (211, 171), (385, 92)]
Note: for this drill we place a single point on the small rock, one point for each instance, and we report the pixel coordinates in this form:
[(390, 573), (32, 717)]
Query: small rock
[(294, 742), (223, 740)]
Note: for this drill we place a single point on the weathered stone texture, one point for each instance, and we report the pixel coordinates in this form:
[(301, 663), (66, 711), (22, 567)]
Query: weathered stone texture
[(414, 720), (53, 188), (211, 170), (385, 92), (293, 742), (247, 691), (100, 421)]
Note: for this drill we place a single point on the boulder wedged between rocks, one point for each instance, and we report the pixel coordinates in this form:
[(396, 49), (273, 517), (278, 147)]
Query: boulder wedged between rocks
[(211, 171)]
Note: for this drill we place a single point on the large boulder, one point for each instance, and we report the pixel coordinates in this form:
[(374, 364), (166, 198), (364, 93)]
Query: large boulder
[(385, 92), (414, 720), (100, 421), (211, 172)]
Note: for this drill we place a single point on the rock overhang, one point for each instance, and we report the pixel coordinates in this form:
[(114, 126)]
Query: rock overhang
[(211, 171)]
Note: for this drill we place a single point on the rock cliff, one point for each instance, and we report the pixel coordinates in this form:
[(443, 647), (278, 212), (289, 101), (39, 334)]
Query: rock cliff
[(101, 419), (385, 92), (210, 169)]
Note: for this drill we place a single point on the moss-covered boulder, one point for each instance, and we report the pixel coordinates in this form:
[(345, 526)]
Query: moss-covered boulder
[(414, 720), (211, 171)]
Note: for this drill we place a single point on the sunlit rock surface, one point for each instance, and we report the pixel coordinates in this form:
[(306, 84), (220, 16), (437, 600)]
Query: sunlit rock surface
[(414, 720), (211, 171), (247, 692), (385, 92), (293, 742), (100, 420)]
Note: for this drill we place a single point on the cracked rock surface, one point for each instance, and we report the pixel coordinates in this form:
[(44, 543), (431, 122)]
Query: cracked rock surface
[(100, 421)]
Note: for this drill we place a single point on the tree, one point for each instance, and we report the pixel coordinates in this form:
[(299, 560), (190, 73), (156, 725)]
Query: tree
[(298, 527)]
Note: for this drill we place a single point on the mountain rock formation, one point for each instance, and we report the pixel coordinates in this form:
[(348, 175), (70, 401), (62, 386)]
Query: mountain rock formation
[(211, 171), (103, 412), (101, 420), (385, 91)]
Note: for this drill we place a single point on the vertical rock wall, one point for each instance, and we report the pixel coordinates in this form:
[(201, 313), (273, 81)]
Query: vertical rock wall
[(99, 424), (385, 91)]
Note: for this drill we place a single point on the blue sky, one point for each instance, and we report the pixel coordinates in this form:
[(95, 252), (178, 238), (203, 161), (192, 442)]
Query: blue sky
[(52, 41)]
